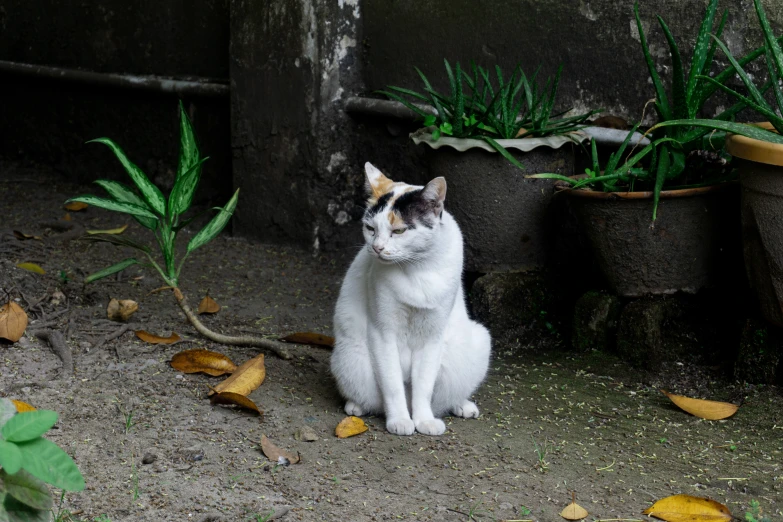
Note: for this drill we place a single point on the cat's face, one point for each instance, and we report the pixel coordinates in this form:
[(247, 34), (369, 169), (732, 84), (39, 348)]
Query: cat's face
[(401, 220)]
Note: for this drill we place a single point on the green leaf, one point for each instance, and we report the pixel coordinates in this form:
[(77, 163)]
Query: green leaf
[(660, 178), (182, 194), (151, 194), (28, 490), (429, 120), (214, 227), (45, 460), (119, 267), (546, 175), (503, 152), (405, 102), (728, 126), (701, 53), (188, 150), (124, 194), (15, 511), (118, 241), (10, 457), (29, 425), (678, 76), (116, 206), (663, 102), (436, 134)]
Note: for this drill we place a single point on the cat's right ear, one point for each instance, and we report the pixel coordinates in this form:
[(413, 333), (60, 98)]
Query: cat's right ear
[(377, 184)]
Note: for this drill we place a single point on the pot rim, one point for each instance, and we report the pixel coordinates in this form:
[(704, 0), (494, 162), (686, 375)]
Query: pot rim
[(752, 149), (589, 193)]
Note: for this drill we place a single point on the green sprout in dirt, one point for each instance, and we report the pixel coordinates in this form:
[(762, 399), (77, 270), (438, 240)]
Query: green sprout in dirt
[(163, 217), (755, 513), (29, 462)]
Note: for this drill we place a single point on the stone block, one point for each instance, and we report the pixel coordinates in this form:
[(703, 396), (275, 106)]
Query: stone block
[(595, 322), (760, 357)]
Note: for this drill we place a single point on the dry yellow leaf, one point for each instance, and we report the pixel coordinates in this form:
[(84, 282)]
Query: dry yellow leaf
[(121, 310), (118, 230), (574, 511), (156, 339), (350, 426), (76, 206), (208, 306), (309, 338), (211, 363), (277, 455), (22, 407), (31, 267), (245, 379), (235, 399), (685, 508), (13, 321), (710, 410), (21, 236)]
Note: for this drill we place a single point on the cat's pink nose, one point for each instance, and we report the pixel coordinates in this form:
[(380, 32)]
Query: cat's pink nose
[(377, 249)]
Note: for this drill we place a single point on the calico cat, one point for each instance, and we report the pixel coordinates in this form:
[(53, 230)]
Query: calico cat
[(404, 344)]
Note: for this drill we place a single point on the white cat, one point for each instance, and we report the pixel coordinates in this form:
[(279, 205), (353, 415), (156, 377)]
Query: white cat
[(404, 344)]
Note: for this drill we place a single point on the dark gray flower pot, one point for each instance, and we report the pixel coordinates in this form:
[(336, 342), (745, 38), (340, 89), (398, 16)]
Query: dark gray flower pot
[(503, 216), (684, 251)]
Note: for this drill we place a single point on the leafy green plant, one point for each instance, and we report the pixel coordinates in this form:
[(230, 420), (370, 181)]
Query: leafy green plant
[(164, 218), (755, 513), (29, 462), (756, 100), (477, 108)]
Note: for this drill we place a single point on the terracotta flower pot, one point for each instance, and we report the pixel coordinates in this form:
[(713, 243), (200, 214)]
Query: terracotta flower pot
[(681, 253), (760, 166)]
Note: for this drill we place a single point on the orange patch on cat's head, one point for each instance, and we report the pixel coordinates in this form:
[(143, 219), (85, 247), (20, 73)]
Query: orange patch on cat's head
[(395, 219)]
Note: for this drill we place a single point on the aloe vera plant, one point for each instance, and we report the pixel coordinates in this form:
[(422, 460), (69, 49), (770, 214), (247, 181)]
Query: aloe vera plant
[(479, 107), (164, 218), (28, 462), (755, 99)]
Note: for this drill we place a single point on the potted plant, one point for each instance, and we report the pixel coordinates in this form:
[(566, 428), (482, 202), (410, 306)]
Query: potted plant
[(660, 221), (758, 153), (483, 136)]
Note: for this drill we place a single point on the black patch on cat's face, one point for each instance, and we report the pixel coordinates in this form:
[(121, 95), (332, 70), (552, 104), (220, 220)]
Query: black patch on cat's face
[(413, 208), (379, 205)]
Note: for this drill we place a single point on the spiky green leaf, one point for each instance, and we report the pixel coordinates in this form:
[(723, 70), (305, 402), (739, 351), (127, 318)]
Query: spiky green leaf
[(184, 188), (119, 267), (116, 206), (124, 194), (215, 226), (660, 93), (729, 126)]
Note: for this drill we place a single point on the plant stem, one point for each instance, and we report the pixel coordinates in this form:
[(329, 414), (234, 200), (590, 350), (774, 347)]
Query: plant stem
[(241, 340)]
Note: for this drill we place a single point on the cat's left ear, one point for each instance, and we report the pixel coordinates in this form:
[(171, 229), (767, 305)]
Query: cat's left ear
[(435, 193), (377, 184)]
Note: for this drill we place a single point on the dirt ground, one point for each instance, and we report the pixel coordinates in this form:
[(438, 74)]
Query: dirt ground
[(550, 423)]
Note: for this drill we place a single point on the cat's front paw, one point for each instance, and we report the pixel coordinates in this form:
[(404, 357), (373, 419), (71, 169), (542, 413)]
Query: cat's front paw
[(466, 410), (351, 408), (431, 427), (400, 426)]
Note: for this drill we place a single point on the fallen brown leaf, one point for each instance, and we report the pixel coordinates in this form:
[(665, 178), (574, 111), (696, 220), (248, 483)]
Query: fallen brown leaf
[(22, 407), (211, 363), (21, 236), (245, 379), (710, 410), (121, 310), (13, 321), (235, 399), (208, 306), (156, 339), (277, 455), (118, 230), (685, 508), (31, 267), (76, 206), (349, 427), (309, 338)]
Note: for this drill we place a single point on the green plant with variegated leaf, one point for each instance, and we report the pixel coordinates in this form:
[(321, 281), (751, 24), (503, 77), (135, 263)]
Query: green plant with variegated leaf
[(28, 462), (164, 218), (755, 100)]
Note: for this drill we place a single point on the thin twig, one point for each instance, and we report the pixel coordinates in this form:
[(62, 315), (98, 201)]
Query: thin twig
[(113, 335), (243, 340)]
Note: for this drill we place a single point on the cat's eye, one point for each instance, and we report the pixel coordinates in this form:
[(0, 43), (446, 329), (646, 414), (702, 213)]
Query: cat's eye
[(399, 230), (368, 227)]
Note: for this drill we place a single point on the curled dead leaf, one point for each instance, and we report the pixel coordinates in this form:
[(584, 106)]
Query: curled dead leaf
[(685, 508), (349, 427), (121, 310), (21, 236), (710, 410), (156, 339), (208, 306), (521, 131), (118, 230), (76, 206), (245, 379), (13, 321), (211, 363), (31, 267), (309, 338), (22, 407), (235, 399), (278, 455)]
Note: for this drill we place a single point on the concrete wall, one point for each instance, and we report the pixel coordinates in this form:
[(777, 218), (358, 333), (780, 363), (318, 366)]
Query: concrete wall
[(294, 62), (47, 121)]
